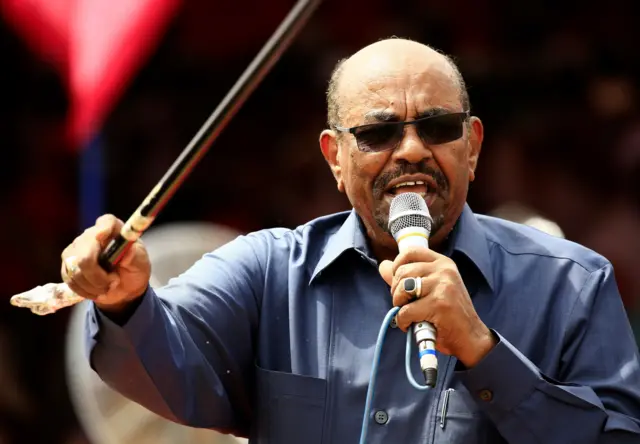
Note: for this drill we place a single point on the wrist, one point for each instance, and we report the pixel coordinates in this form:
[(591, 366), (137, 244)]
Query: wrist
[(113, 307), (479, 349), (121, 310)]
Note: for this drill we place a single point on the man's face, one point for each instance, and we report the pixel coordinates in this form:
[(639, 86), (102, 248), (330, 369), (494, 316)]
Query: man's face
[(401, 89)]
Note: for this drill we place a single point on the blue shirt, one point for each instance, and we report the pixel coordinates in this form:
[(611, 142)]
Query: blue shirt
[(272, 336)]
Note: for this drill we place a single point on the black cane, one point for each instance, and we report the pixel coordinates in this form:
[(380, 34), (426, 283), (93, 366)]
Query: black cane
[(142, 218)]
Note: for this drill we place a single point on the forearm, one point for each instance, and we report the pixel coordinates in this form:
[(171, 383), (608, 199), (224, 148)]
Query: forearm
[(528, 407), (154, 359)]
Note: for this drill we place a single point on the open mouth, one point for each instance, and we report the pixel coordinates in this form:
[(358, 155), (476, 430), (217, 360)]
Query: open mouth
[(424, 188)]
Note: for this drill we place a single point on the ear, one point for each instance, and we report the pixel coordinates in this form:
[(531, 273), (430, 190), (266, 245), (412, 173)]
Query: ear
[(476, 135), (330, 151)]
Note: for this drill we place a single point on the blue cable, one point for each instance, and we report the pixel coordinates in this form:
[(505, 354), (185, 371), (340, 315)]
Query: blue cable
[(374, 369)]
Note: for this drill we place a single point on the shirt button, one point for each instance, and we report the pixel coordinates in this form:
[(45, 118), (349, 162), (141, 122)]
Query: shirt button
[(486, 395), (393, 322), (381, 417)]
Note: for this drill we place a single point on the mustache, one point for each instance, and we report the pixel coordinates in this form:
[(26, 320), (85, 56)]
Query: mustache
[(382, 181)]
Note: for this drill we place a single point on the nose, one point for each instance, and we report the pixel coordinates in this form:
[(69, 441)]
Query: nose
[(412, 149)]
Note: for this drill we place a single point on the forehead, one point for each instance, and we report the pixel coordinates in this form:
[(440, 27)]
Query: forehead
[(402, 85)]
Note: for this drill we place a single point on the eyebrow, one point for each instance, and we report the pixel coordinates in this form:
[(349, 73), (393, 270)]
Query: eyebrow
[(380, 116), (435, 111), (388, 116)]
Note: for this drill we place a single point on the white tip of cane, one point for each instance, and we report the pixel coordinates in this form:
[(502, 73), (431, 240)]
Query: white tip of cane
[(38, 294), (43, 299)]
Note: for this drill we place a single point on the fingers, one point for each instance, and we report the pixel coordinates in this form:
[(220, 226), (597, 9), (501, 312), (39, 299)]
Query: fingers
[(85, 283), (389, 270), (96, 277), (386, 271), (442, 294), (80, 269), (415, 254), (132, 252), (401, 297), (420, 269), (430, 273), (71, 276), (107, 227), (417, 311)]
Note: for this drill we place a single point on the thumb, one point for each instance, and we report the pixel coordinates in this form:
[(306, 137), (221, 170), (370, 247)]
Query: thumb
[(132, 251), (386, 271), (107, 227), (114, 281)]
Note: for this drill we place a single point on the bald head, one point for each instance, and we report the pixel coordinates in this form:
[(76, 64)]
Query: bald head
[(387, 59)]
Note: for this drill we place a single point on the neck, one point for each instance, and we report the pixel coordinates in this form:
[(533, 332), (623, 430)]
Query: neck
[(387, 248), (384, 247), (384, 253)]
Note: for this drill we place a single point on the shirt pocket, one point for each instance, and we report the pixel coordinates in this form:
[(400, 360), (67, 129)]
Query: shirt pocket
[(459, 420), (291, 408)]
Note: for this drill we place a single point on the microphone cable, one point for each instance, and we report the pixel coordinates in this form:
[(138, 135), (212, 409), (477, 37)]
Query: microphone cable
[(374, 369)]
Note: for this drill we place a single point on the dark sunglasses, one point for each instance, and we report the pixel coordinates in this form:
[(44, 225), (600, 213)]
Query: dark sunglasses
[(385, 136)]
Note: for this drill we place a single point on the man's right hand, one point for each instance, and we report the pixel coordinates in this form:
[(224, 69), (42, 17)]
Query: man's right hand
[(114, 291)]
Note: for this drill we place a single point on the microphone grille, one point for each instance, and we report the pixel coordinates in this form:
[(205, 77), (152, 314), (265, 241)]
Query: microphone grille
[(408, 210)]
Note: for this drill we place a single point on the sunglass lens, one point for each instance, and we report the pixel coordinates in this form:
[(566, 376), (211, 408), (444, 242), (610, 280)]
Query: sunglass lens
[(378, 137), (441, 129)]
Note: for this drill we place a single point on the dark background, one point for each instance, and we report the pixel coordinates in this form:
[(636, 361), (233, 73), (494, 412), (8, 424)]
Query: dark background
[(556, 84)]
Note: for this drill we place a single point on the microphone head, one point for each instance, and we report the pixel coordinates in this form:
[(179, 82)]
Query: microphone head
[(409, 210)]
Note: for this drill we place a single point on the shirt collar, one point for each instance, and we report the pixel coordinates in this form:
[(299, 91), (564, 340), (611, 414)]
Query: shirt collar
[(350, 236), (467, 238)]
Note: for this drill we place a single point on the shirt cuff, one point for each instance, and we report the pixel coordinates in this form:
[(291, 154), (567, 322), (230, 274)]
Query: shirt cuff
[(133, 329), (501, 380)]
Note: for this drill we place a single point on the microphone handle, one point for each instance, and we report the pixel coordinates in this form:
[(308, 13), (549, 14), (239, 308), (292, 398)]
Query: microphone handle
[(424, 332)]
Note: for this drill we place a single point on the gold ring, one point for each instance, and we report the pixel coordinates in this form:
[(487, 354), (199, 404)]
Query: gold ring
[(71, 266)]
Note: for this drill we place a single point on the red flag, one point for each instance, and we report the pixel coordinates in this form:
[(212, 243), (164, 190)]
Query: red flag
[(43, 25), (97, 45)]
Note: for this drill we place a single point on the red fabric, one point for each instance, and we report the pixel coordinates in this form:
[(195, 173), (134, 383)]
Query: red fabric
[(97, 46), (44, 25)]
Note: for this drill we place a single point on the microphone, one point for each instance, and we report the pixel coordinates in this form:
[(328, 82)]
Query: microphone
[(410, 225)]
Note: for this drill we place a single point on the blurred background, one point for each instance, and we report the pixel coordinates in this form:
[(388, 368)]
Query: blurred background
[(98, 98)]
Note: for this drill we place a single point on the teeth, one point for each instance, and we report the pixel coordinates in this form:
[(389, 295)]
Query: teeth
[(409, 184)]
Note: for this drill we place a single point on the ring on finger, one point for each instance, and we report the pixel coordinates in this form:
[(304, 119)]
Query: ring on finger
[(71, 266), (413, 287)]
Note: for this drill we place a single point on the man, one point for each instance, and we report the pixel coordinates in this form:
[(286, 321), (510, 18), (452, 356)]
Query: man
[(272, 336)]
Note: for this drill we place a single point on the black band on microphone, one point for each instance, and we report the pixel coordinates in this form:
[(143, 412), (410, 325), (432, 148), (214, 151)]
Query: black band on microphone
[(430, 377)]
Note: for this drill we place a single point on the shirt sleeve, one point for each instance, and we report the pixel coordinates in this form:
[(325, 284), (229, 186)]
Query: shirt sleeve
[(187, 350), (598, 398)]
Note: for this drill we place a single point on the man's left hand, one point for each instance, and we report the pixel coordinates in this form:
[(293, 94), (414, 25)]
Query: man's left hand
[(444, 301)]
